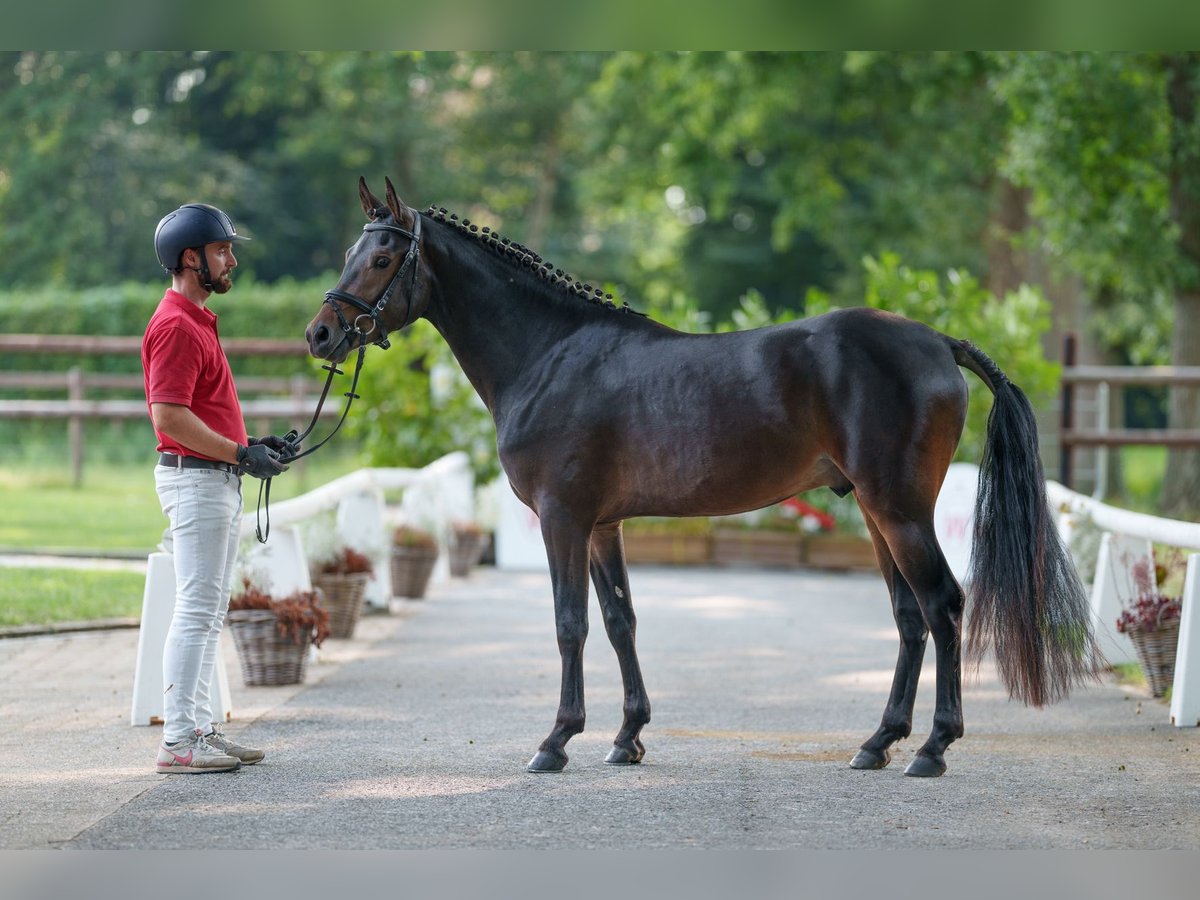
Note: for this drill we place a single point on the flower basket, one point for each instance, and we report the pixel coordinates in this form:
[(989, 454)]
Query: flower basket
[(1151, 620), (1156, 652), (342, 580), (265, 656), (272, 635), (414, 553), (343, 596), (467, 549)]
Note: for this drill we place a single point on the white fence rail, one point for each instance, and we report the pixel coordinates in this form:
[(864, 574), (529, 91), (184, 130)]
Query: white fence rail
[(1127, 540)]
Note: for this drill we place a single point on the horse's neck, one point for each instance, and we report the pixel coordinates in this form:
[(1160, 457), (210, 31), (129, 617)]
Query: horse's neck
[(497, 322)]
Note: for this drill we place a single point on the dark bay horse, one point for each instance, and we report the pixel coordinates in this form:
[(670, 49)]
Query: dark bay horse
[(602, 415)]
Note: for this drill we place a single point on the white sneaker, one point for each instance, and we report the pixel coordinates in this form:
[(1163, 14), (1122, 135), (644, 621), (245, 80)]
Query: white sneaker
[(193, 755), (247, 755)]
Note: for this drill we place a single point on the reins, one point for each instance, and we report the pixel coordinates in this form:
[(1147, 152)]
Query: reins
[(264, 486), (350, 329)]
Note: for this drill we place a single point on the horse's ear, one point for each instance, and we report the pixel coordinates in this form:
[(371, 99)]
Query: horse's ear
[(370, 203), (395, 204)]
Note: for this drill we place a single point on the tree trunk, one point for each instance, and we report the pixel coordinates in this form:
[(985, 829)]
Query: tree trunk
[(1181, 485), (1008, 265)]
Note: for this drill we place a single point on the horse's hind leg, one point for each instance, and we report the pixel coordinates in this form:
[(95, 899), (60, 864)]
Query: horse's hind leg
[(897, 715), (919, 560), (611, 579)]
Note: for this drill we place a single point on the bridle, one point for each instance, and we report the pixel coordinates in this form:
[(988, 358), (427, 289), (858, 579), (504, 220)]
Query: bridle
[(368, 311), (372, 311)]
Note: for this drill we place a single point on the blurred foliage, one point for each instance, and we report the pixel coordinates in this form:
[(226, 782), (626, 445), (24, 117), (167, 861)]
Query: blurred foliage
[(1008, 329), (417, 406), (711, 189), (689, 176)]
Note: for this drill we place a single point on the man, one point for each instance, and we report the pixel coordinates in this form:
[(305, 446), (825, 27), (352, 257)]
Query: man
[(204, 452)]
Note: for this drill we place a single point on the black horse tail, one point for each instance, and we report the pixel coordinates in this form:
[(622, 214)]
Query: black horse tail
[(1026, 597)]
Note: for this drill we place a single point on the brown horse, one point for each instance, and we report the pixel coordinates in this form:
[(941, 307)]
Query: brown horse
[(602, 415)]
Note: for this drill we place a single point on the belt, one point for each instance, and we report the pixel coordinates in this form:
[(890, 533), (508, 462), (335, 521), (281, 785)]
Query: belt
[(195, 462)]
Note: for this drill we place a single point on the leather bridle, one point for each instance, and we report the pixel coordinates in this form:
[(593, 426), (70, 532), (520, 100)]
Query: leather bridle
[(372, 311), (367, 311)]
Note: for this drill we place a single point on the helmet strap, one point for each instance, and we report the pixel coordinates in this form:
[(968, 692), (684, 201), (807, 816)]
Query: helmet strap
[(206, 281)]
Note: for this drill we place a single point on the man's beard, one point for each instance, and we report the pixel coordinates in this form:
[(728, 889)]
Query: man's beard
[(223, 284)]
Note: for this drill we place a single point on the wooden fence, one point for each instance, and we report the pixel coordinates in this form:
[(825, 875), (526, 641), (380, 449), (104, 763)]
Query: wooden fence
[(1074, 376), (264, 399)]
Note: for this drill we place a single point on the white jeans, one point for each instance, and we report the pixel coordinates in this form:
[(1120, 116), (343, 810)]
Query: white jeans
[(204, 507)]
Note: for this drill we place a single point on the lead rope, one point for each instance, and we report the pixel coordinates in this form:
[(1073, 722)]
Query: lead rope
[(264, 486)]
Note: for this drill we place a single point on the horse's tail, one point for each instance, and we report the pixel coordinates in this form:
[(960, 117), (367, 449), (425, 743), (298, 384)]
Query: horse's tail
[(1027, 600)]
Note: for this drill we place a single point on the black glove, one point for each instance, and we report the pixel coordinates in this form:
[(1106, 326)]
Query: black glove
[(281, 445), (260, 461)]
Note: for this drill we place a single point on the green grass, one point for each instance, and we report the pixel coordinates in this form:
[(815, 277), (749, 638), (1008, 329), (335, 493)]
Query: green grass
[(31, 596), (116, 508), (1142, 470)]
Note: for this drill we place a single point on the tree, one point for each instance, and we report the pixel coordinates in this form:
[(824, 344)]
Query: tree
[(1109, 146), (785, 169)]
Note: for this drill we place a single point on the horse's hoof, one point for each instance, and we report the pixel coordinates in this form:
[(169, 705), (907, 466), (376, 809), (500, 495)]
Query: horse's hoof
[(870, 759), (924, 766), (547, 761), (623, 756)]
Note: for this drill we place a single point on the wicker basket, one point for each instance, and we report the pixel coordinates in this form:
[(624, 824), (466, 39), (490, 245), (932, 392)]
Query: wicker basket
[(411, 569), (267, 657), (1156, 652), (466, 552), (343, 598)]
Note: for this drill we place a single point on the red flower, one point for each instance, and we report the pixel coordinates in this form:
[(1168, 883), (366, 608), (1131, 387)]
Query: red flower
[(807, 510)]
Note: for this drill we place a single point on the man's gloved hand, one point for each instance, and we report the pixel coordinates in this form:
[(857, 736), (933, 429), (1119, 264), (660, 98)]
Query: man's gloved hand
[(281, 445), (260, 461)]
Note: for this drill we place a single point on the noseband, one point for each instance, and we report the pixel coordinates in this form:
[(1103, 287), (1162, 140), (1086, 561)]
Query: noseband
[(372, 312)]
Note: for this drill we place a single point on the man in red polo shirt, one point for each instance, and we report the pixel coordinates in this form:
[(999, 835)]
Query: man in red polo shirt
[(204, 451)]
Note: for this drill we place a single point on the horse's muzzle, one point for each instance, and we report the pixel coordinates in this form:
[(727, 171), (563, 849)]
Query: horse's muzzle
[(327, 343)]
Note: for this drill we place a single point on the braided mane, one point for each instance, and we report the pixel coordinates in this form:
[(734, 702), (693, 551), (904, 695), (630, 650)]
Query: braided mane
[(522, 255)]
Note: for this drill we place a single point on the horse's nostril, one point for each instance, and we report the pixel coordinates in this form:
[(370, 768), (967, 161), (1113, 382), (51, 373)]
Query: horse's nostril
[(321, 335)]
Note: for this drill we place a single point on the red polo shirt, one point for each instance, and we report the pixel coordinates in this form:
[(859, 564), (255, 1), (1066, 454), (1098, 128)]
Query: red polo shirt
[(183, 363)]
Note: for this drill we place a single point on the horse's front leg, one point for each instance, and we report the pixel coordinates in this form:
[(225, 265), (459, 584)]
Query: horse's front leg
[(567, 551), (611, 579)]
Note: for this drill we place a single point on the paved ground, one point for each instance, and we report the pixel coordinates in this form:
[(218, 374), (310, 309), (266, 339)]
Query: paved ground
[(415, 735)]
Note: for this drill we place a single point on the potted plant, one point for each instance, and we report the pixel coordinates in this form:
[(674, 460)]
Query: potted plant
[(342, 580), (467, 544), (1151, 619), (273, 634), (664, 541), (414, 553)]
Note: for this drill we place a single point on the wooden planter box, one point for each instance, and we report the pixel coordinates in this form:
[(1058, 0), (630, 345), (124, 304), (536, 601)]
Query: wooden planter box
[(839, 551), (667, 549), (737, 547)]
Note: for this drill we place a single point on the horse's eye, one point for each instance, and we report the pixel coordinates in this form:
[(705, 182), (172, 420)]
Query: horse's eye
[(382, 262)]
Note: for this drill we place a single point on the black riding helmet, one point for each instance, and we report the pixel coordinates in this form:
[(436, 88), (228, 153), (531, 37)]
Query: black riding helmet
[(192, 225)]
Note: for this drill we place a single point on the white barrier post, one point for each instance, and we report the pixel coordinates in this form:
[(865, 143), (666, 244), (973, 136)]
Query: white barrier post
[(158, 605), (519, 544), (1185, 688), (443, 493), (1113, 586), (282, 560), (954, 516), (361, 524)]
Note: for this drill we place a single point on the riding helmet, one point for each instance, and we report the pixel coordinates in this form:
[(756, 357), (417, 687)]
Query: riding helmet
[(192, 225)]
